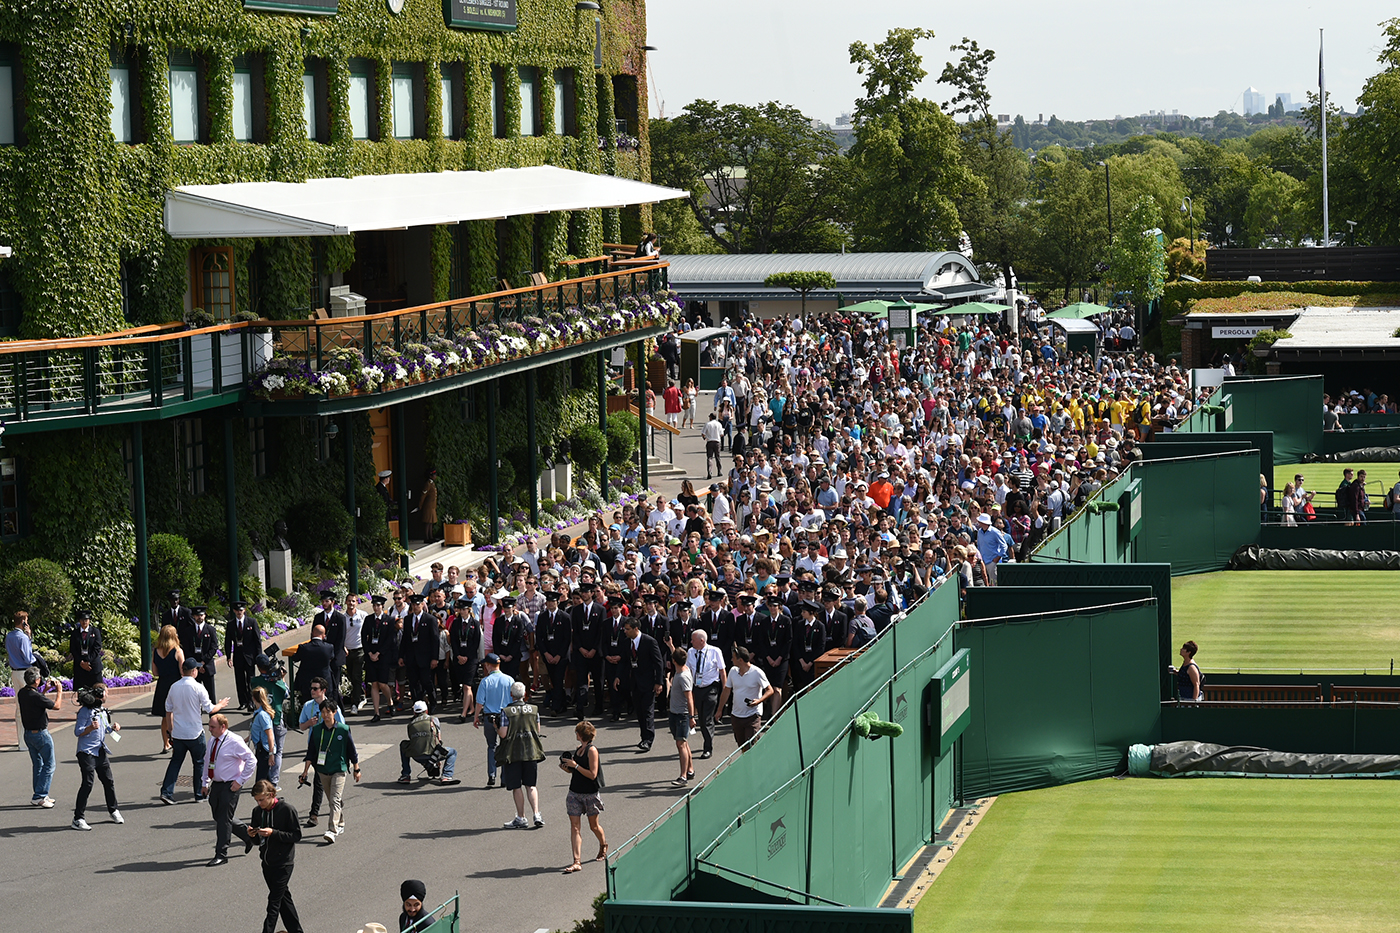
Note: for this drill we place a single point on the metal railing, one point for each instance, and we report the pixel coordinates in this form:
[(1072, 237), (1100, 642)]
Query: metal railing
[(118, 375), (313, 339)]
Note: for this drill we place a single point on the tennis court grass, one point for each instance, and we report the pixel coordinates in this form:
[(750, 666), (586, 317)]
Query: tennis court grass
[(1191, 855), (1313, 620), (1324, 478)]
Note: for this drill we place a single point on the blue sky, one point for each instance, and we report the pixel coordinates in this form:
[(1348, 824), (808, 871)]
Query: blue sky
[(1075, 58)]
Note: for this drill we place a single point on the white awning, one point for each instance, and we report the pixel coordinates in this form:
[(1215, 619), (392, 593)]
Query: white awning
[(6, 252), (333, 206)]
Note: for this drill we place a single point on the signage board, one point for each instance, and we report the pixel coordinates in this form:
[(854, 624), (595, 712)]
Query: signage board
[(1236, 333), (305, 7), (900, 317), (952, 691), (496, 15), (1130, 510)]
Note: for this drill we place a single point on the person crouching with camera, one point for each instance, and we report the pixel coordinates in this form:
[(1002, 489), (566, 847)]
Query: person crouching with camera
[(424, 745), (93, 727)]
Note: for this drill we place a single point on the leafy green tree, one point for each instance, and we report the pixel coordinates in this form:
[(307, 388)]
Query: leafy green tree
[(173, 565), (40, 587), (1070, 220), (1366, 183), (774, 179), (1276, 213), (993, 213), (802, 282), (1137, 261), (906, 165)]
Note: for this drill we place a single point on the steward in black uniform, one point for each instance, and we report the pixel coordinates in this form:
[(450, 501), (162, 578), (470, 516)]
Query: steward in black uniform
[(553, 633)]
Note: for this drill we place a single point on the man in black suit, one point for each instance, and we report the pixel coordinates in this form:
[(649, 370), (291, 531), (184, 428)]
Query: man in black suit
[(644, 674), (613, 643), (589, 620), (205, 648), (508, 637), (85, 647), (425, 651), (242, 644), (834, 619), (745, 629), (464, 637), (772, 647), (334, 622), (808, 644), (314, 659), (183, 620), (553, 633)]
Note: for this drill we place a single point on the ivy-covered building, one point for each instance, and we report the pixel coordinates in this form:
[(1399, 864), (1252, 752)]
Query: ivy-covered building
[(120, 424)]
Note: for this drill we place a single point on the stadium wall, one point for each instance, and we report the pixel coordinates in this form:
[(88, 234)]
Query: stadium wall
[(1290, 406)]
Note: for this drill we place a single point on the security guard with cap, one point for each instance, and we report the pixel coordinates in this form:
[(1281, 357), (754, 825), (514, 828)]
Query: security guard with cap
[(85, 647), (553, 634), (205, 647), (508, 636)]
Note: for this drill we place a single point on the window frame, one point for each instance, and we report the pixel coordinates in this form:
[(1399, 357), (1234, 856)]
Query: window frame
[(364, 69), (319, 130), (11, 484), (529, 76), (128, 61), (565, 115), (254, 66), (197, 292), (10, 59), (190, 455), (411, 75), (188, 62), (454, 111), (498, 102)]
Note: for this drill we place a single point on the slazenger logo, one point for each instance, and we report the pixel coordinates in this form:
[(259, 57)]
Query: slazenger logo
[(777, 837), (901, 707)]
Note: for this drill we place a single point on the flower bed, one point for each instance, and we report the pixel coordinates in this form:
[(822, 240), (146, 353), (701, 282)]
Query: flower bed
[(346, 371), (132, 679)]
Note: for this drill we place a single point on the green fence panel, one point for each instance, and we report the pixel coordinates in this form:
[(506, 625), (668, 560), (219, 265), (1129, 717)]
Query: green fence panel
[(1156, 576), (657, 917), (1262, 441), (994, 602), (1290, 406), (744, 780), (658, 867), (1036, 723), (1381, 533), (1351, 422), (1333, 730), (1198, 511), (850, 826), (917, 799), (1089, 537), (1336, 442), (768, 849)]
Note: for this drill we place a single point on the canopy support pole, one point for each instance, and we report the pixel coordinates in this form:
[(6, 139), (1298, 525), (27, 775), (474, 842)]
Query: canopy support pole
[(493, 492), (143, 560), (231, 515), (531, 441), (352, 552)]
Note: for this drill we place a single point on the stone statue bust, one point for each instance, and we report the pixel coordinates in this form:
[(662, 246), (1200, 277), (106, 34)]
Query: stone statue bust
[(279, 536)]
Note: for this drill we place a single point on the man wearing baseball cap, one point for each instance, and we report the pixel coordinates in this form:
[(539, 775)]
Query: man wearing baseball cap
[(424, 745), (491, 698)]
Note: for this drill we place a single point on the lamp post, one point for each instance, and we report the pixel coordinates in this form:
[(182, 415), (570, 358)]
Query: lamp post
[(1188, 207), (1108, 195)]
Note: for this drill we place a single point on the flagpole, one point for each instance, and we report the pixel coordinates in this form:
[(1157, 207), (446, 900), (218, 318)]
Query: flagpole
[(1322, 102)]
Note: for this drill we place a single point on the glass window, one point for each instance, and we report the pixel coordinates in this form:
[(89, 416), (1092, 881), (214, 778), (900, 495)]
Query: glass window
[(497, 103), (184, 103), (257, 445), (7, 105), (9, 498), (190, 439), (359, 106), (559, 91), (243, 106), (121, 103), (448, 130), (403, 106), (528, 117), (215, 291), (308, 105)]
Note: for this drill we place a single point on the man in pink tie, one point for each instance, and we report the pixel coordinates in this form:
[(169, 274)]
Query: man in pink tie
[(228, 765)]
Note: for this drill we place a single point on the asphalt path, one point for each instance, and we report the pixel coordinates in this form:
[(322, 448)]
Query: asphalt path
[(150, 872)]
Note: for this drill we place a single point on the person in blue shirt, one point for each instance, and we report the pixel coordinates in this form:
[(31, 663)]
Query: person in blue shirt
[(992, 544), (492, 695), (93, 727)]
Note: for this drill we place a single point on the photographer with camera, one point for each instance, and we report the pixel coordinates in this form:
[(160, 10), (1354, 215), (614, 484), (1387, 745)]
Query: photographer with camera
[(93, 727), (310, 716), (33, 712), (424, 745)]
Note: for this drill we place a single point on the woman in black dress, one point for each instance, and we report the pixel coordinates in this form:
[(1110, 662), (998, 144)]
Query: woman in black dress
[(165, 667)]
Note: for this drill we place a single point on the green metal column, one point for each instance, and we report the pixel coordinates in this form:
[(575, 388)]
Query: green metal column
[(401, 483), (530, 442), (143, 562), (641, 372), (235, 572), (352, 552), (492, 459), (603, 423)]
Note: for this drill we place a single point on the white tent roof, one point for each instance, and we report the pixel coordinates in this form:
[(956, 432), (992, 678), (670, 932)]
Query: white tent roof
[(332, 206)]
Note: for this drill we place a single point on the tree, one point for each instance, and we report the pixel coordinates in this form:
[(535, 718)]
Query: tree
[(1137, 261), (802, 282), (773, 178), (1366, 179), (993, 213), (1276, 212), (906, 164), (1069, 218)]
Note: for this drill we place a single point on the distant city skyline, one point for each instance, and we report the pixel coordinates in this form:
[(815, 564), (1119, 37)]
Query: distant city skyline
[(1196, 60)]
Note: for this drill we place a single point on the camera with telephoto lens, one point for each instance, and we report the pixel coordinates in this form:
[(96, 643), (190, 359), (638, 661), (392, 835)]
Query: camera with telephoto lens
[(302, 781)]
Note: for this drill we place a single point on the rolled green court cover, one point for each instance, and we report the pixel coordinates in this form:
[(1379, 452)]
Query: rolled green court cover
[(1201, 759), (1254, 557)]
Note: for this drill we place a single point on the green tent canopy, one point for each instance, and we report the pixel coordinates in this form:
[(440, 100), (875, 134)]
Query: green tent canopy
[(1080, 309), (878, 309), (976, 308)]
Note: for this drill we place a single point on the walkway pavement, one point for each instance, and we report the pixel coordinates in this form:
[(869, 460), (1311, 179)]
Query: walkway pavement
[(150, 873)]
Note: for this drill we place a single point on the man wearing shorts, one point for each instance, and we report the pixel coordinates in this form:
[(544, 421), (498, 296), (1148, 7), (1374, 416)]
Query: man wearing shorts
[(521, 753), (682, 713)]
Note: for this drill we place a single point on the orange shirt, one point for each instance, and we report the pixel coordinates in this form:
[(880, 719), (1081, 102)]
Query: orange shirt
[(881, 491)]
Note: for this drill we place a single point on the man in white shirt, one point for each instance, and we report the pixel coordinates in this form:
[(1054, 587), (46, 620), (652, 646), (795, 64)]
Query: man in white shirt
[(185, 706), (706, 662), (354, 652), (713, 432), (750, 688), (228, 765)]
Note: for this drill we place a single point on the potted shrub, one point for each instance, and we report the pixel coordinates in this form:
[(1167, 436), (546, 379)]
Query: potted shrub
[(457, 533)]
